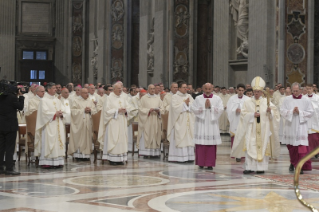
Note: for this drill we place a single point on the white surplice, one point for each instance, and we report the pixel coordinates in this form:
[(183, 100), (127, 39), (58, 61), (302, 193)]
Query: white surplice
[(134, 104), (296, 125), (313, 123), (233, 104), (206, 130), (180, 131), (100, 102), (50, 132)]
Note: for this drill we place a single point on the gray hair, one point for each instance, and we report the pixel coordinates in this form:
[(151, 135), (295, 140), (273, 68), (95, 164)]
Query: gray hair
[(148, 87), (231, 88), (117, 83), (296, 84), (50, 85), (38, 88)]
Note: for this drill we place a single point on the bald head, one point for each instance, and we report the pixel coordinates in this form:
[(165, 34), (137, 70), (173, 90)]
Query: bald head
[(84, 93), (117, 88), (208, 88), (100, 92), (91, 89), (39, 91), (65, 93)]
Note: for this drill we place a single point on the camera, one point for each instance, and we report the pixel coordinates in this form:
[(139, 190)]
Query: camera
[(12, 87)]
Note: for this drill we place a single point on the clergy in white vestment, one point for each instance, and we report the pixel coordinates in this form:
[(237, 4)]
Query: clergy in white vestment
[(313, 123), (234, 106), (282, 120), (66, 102), (76, 93), (70, 87), (113, 134), (276, 98), (180, 130), (207, 109), (80, 144), (94, 97), (101, 100), (231, 91), (223, 120), (168, 97), (134, 104), (100, 92), (50, 131), (58, 90), (149, 124), (28, 96), (34, 102), (257, 133), (297, 110)]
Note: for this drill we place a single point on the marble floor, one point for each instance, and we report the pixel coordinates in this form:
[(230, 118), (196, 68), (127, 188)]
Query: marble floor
[(156, 185)]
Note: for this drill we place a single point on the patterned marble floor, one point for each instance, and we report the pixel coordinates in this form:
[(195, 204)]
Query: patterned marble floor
[(154, 185)]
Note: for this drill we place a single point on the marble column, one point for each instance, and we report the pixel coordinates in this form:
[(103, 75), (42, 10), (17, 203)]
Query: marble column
[(310, 52), (262, 40), (221, 43), (281, 41), (316, 44), (7, 39), (135, 42), (62, 52)]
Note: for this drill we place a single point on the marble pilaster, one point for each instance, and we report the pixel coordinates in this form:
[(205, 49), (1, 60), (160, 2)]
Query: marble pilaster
[(221, 43), (262, 40), (7, 39)]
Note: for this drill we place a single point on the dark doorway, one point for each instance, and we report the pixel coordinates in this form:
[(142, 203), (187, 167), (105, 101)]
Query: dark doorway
[(35, 67)]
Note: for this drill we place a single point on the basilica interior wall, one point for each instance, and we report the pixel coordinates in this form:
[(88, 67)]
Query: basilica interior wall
[(151, 41)]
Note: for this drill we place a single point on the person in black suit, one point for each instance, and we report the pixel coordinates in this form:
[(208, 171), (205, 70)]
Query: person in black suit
[(9, 104)]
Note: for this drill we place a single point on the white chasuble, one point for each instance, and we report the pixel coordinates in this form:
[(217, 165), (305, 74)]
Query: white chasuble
[(33, 105), (67, 106), (113, 126), (233, 104), (50, 131), (295, 131), (206, 129), (223, 120), (258, 139), (100, 103), (181, 120), (81, 127), (167, 101), (149, 124), (134, 104)]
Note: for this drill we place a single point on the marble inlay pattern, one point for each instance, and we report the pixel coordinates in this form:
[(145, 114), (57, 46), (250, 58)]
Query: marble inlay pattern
[(116, 181), (153, 185)]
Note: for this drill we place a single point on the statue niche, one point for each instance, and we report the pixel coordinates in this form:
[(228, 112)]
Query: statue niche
[(239, 10)]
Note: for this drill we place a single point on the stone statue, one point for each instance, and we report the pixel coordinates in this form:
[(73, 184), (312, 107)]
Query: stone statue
[(240, 10), (77, 23), (117, 69), (94, 60), (182, 17), (117, 10), (243, 48)]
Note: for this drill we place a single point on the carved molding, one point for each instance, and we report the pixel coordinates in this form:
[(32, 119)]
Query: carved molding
[(118, 34), (150, 51), (77, 41), (181, 40)]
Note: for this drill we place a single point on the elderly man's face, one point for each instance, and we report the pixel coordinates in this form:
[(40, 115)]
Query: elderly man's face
[(40, 92), (117, 89), (84, 93), (295, 91), (100, 92), (208, 88), (65, 93), (92, 89), (52, 90), (157, 89), (151, 89), (78, 91)]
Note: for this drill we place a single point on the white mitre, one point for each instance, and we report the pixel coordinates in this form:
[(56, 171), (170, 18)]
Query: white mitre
[(258, 84)]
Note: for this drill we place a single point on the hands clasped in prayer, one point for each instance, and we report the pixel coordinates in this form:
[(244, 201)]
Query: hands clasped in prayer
[(154, 111), (207, 104), (122, 110), (296, 110), (59, 114), (187, 101), (238, 110), (87, 110)]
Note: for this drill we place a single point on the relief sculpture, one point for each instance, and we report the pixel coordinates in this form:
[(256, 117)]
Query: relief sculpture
[(117, 69), (117, 10), (117, 36)]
